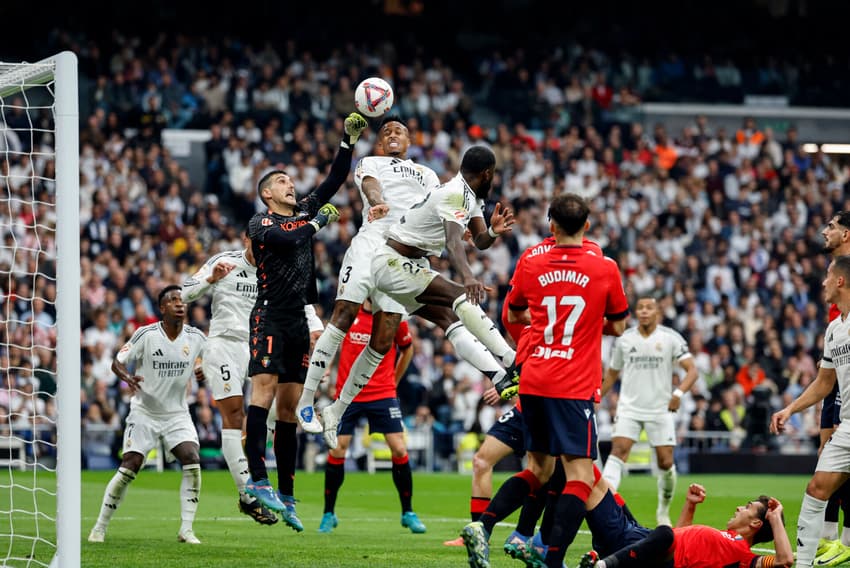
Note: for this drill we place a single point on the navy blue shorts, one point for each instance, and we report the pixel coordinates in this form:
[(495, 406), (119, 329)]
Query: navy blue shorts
[(829, 414), (510, 430), (610, 527), (384, 417), (559, 426)]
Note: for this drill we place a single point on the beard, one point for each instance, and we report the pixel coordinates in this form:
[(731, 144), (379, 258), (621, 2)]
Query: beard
[(827, 248)]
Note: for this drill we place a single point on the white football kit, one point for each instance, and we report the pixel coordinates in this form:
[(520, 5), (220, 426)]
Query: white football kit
[(647, 365), (159, 409), (403, 278), (225, 364), (403, 184), (836, 355)]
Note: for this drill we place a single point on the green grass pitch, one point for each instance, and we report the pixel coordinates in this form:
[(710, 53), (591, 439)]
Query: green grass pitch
[(144, 530)]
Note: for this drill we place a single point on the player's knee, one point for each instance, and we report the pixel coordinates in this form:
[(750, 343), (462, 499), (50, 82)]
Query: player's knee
[(665, 462), (818, 490), (443, 317), (232, 419), (190, 456), (132, 461), (380, 343), (481, 465), (344, 314), (621, 451)]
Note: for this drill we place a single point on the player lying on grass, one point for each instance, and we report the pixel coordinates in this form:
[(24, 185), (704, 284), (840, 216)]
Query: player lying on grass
[(696, 546)]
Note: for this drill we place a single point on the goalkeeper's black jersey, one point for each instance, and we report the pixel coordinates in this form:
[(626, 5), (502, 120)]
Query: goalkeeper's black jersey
[(285, 273), (283, 246)]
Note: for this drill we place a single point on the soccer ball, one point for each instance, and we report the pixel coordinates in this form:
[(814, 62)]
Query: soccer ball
[(373, 97)]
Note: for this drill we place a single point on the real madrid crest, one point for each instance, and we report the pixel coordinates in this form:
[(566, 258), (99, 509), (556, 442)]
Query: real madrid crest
[(186, 350)]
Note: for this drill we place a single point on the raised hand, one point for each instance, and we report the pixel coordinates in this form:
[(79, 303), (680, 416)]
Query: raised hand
[(327, 214), (501, 220), (354, 126)]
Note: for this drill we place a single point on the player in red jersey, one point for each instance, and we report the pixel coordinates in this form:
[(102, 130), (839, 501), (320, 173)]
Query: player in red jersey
[(378, 403), (566, 294), (507, 436), (701, 546)]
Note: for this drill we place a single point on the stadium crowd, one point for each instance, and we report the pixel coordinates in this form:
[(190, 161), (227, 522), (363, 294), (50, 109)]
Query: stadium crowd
[(723, 227)]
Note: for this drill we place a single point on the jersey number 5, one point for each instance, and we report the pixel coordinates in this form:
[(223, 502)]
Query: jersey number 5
[(575, 305)]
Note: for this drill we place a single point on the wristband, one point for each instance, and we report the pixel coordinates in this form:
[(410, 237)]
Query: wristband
[(492, 233), (678, 393)]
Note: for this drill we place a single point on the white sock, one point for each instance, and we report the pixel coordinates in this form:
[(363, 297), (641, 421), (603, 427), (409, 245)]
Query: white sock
[(809, 529), (114, 494), (845, 536), (473, 351), (666, 487), (190, 490), (237, 463), (323, 353), (483, 328), (361, 372), (613, 471), (830, 530)]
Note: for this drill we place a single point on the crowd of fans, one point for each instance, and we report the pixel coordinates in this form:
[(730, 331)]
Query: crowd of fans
[(723, 227)]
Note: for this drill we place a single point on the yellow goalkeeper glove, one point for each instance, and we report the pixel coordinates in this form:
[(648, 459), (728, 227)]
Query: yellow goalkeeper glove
[(354, 126), (327, 214)]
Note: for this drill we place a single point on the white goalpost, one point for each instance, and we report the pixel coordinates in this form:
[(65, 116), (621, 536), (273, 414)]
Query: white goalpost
[(39, 313)]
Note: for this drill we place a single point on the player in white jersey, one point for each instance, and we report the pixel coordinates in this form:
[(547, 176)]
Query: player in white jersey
[(165, 355), (401, 270), (646, 355), (390, 185), (833, 467), (231, 277)]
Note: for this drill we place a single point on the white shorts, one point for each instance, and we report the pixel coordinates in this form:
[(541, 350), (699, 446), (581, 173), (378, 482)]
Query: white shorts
[(143, 432), (836, 453), (660, 430), (225, 366), (400, 277), (356, 282)]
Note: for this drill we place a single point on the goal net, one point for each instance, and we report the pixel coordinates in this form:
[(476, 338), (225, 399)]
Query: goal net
[(40, 318)]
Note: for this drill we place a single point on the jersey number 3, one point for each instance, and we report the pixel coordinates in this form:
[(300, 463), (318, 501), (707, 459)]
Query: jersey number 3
[(575, 305)]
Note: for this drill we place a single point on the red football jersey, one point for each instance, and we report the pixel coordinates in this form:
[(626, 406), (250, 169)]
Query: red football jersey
[(833, 312), (382, 383), (569, 291), (516, 330), (699, 546)]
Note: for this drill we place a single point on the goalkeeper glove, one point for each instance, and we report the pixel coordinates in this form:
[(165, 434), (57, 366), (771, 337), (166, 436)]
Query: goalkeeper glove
[(327, 214), (508, 386), (354, 126)]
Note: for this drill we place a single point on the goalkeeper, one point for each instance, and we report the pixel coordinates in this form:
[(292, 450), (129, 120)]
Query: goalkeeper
[(279, 343)]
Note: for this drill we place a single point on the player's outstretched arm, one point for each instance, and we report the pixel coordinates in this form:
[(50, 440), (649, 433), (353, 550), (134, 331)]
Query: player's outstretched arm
[(197, 285), (695, 496), (354, 125), (820, 387)]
